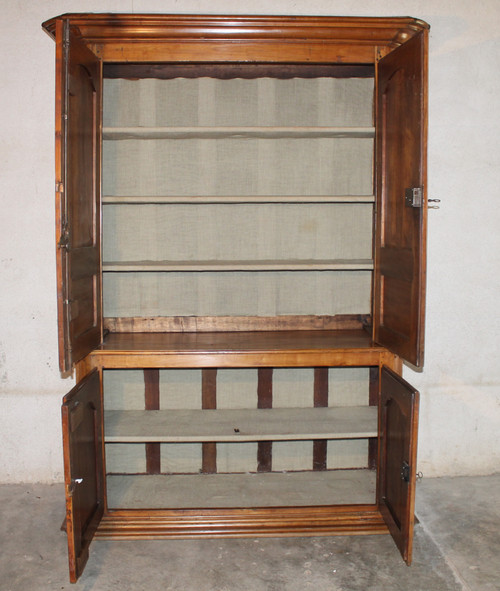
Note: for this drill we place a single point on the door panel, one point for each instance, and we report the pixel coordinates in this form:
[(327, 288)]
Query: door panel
[(400, 248), (83, 468), (398, 458), (78, 113)]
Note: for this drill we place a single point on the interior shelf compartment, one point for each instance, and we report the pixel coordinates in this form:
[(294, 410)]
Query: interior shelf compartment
[(202, 199), (277, 424), (263, 265), (228, 132), (269, 489)]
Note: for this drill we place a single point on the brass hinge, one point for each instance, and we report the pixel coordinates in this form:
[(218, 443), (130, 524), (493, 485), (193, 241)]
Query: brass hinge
[(59, 187)]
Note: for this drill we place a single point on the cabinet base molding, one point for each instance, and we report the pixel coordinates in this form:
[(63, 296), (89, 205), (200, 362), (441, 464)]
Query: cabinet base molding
[(241, 523)]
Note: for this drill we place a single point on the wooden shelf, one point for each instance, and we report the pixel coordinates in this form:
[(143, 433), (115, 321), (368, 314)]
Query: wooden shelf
[(276, 424), (234, 132), (231, 199), (270, 489), (285, 348), (263, 265)]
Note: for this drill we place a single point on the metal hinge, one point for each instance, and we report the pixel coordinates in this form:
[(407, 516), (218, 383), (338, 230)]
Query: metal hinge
[(59, 187), (72, 486), (405, 471), (64, 241), (66, 34)]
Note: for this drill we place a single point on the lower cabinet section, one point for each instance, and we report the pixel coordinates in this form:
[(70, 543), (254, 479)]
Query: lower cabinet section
[(200, 452)]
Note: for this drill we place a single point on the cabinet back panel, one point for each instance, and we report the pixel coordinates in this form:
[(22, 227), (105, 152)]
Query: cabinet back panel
[(237, 232), (235, 388), (261, 101), (319, 166), (236, 166), (272, 293)]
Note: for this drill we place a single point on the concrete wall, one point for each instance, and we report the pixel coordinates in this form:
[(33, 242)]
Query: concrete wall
[(460, 387)]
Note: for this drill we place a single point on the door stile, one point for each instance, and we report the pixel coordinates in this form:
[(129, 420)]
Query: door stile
[(83, 468), (78, 188), (398, 432), (401, 222)]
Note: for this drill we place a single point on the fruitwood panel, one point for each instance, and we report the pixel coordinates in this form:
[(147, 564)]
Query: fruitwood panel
[(78, 108), (265, 400), (320, 400), (152, 402), (205, 523), (398, 430), (344, 341), (400, 254), (209, 401), (241, 71), (236, 323), (83, 468), (144, 359), (257, 349), (373, 400), (167, 38)]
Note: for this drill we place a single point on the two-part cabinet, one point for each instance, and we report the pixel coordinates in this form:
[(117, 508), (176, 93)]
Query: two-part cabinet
[(240, 219)]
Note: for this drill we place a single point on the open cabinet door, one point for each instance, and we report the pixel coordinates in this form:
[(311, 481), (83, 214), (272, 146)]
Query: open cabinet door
[(83, 468), (78, 141), (401, 210), (398, 458)]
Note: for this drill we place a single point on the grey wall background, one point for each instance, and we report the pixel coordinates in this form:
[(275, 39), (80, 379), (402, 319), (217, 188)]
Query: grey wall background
[(460, 385)]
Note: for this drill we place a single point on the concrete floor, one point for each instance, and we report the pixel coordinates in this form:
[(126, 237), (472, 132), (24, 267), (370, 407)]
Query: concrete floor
[(457, 547)]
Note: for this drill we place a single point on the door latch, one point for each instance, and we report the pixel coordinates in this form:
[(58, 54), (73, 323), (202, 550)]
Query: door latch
[(414, 197)]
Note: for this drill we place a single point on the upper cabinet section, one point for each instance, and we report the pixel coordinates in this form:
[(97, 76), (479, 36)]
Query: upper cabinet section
[(216, 38), (254, 173)]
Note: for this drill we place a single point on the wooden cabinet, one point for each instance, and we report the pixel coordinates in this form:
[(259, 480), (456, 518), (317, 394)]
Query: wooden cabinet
[(241, 217)]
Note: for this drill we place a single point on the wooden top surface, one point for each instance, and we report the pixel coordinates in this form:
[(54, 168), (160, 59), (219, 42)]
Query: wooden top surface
[(140, 38), (148, 25), (238, 342)]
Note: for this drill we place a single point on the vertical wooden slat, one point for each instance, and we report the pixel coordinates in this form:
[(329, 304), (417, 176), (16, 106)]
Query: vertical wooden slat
[(209, 401), (373, 401), (320, 400), (265, 400), (152, 402)]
